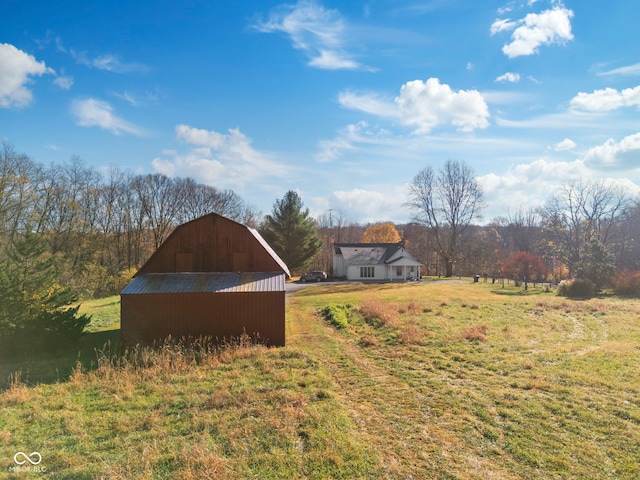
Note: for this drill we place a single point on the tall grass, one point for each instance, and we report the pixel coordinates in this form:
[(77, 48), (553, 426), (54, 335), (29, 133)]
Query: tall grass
[(187, 410)]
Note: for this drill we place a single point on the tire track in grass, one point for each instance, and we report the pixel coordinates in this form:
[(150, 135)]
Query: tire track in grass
[(392, 416)]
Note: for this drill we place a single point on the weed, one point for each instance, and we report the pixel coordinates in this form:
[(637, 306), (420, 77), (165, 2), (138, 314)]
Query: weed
[(369, 341), (411, 335), (477, 333), (336, 315), (376, 309)]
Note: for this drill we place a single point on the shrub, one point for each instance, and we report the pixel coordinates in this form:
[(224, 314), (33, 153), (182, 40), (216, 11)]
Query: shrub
[(336, 315), (627, 283), (576, 288)]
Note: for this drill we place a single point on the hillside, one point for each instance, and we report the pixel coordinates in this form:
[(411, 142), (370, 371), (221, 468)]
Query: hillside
[(425, 381)]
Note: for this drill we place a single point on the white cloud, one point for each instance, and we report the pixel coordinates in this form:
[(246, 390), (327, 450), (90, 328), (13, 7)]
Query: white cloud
[(371, 103), (607, 99), (502, 25), (529, 184), (317, 31), (509, 77), (536, 29), (91, 112), (137, 99), (566, 144), (219, 158), (333, 60), (16, 68), (626, 70), (109, 63), (349, 139), (425, 105), (64, 82), (368, 205), (428, 104), (621, 155)]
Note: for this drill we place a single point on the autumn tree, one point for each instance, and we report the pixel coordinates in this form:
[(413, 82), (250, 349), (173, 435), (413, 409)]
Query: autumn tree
[(446, 203), (381, 233), (524, 266), (291, 232)]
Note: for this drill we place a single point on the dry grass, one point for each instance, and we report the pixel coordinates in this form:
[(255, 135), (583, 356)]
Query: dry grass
[(477, 333), (376, 310)]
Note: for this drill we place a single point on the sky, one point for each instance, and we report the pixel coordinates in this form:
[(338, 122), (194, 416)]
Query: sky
[(341, 101)]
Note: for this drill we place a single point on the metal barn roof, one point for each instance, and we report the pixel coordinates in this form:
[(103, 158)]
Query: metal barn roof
[(153, 283)]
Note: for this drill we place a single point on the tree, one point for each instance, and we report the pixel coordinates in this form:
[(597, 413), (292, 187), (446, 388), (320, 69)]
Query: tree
[(381, 233), (580, 211), (34, 308), (291, 233), (596, 264), (524, 266), (446, 203)]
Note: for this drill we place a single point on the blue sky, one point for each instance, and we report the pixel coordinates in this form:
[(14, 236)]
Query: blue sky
[(341, 101)]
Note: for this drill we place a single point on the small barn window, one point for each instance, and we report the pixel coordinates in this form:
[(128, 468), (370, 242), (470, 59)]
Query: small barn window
[(367, 272)]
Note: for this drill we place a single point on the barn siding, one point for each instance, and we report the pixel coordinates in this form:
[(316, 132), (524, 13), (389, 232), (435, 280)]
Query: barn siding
[(145, 318), (216, 244)]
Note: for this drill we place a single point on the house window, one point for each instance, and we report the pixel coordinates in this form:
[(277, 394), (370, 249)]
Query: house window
[(398, 271), (367, 272)]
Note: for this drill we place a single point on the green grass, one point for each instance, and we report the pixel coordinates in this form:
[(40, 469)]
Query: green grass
[(56, 364), (434, 380)]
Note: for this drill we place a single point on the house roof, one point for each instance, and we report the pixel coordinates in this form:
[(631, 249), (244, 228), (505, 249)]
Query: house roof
[(225, 282), (375, 253)]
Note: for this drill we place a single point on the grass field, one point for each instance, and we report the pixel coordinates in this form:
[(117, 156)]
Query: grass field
[(425, 381)]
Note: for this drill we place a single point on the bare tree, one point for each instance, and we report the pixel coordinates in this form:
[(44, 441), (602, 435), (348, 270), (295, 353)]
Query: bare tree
[(446, 203), (161, 203), (523, 227), (17, 198), (581, 211)]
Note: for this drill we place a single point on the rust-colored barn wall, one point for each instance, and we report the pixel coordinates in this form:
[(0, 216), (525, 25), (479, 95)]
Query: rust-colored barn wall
[(145, 318), (210, 244)]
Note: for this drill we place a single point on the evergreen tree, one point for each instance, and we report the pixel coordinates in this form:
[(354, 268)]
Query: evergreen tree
[(291, 233), (34, 308), (596, 263)]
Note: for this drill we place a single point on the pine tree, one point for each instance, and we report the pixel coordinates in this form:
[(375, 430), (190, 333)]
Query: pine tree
[(596, 263), (291, 233), (34, 308)]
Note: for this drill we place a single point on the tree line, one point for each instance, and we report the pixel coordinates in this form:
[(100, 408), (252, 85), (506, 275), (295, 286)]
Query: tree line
[(100, 226), (588, 228)]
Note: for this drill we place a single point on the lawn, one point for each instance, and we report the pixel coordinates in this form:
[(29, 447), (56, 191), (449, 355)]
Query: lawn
[(431, 380)]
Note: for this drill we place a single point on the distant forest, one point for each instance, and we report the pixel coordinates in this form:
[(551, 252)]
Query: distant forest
[(101, 226)]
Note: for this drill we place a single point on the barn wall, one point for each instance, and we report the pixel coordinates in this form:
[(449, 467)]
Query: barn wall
[(145, 318), (210, 244)]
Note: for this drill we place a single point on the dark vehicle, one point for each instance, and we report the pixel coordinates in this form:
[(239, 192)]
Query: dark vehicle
[(316, 276)]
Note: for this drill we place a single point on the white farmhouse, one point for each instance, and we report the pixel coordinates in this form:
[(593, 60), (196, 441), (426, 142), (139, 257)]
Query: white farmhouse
[(374, 262)]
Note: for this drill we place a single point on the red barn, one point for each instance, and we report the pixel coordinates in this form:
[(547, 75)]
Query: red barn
[(211, 277)]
